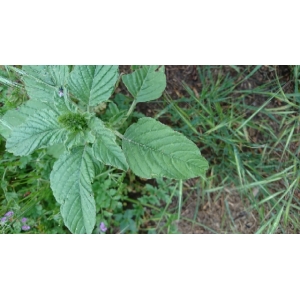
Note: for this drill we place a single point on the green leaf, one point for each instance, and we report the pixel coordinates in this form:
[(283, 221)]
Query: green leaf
[(43, 82), (105, 148), (38, 131), (59, 74), (70, 181), (16, 117), (56, 150), (146, 84), (155, 150), (93, 84), (79, 139), (63, 104)]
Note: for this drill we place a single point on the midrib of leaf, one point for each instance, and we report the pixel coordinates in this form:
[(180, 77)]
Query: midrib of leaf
[(86, 86), (23, 73), (148, 71), (5, 124), (108, 81), (39, 80), (79, 172), (157, 150), (45, 131), (92, 86), (92, 75), (80, 183)]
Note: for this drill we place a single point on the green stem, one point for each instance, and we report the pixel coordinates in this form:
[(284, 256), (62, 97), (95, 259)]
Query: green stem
[(118, 134), (147, 205), (180, 199), (131, 108)]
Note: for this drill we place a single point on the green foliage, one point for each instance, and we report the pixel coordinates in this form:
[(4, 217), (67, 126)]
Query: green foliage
[(73, 122), (38, 131), (160, 194), (147, 209), (105, 148), (62, 115), (146, 84), (25, 190), (93, 84), (14, 118), (43, 82), (154, 150), (249, 136), (71, 180)]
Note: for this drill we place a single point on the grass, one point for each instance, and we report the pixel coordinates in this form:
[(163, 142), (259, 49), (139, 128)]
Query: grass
[(252, 148), (247, 130)]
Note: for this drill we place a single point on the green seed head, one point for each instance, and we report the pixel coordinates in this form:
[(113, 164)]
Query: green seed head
[(74, 122)]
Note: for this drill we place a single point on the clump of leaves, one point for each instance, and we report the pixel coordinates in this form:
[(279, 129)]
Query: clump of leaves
[(73, 122), (61, 114)]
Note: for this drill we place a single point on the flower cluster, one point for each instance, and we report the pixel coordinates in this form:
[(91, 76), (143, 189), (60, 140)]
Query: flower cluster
[(25, 227), (9, 214), (102, 227), (73, 122)]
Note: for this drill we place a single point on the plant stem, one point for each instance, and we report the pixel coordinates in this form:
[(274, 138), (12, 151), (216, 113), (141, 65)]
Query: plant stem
[(180, 199), (131, 108), (118, 134)]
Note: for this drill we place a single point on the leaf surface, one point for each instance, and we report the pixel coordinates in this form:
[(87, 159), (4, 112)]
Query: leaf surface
[(71, 180), (16, 117), (38, 131), (93, 84), (146, 83), (43, 82), (105, 148), (153, 149)]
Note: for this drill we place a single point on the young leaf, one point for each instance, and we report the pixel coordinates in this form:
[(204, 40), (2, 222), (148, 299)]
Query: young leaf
[(70, 181), (146, 84), (42, 82), (79, 139), (63, 104), (155, 150), (38, 131), (93, 84), (105, 148)]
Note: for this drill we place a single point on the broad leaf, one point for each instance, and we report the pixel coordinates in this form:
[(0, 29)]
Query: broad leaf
[(93, 84), (105, 148), (71, 180), (38, 131), (146, 84), (59, 74), (79, 139), (16, 117), (43, 82), (153, 149)]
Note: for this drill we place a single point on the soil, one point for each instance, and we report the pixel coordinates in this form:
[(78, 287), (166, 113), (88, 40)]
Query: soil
[(213, 214)]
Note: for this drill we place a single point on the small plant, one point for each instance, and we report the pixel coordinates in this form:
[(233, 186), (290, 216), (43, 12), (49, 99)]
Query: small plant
[(8, 223), (62, 115)]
